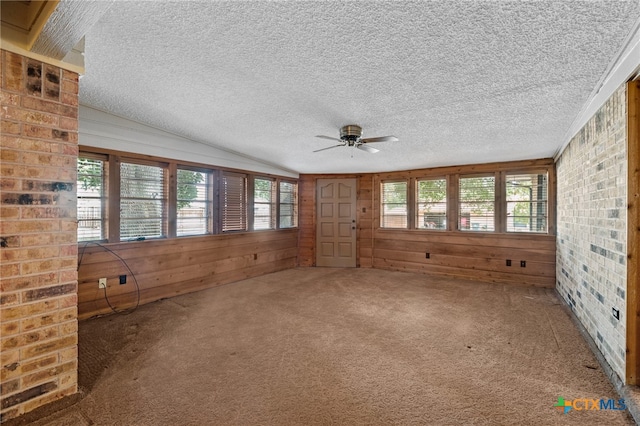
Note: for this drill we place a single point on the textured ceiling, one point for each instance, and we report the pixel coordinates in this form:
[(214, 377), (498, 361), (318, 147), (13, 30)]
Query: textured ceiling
[(459, 82)]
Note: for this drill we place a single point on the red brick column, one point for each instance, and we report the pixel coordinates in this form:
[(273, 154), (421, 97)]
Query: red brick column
[(38, 249)]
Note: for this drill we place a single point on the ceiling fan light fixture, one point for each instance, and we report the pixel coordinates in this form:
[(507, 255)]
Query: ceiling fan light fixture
[(351, 136)]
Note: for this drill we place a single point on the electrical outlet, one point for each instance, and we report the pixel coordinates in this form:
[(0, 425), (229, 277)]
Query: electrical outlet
[(616, 313), (102, 283), (523, 263), (508, 262), (123, 279)]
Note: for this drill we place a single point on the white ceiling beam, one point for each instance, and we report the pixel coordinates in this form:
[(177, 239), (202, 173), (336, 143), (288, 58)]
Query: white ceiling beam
[(66, 27)]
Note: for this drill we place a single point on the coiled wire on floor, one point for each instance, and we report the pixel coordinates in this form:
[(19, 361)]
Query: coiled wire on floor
[(133, 276)]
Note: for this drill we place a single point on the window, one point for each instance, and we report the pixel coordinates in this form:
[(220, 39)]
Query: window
[(477, 204), (91, 199), (394, 205), (512, 197), (527, 202), (288, 205), (432, 204), (234, 202), (194, 204), (264, 204), (128, 198), (142, 201)]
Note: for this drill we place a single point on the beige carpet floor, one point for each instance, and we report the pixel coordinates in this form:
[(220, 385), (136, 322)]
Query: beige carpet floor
[(321, 346)]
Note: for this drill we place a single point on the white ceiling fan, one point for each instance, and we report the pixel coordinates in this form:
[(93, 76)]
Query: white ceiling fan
[(351, 135)]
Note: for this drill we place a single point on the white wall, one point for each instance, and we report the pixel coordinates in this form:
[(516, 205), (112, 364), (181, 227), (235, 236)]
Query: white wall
[(102, 130)]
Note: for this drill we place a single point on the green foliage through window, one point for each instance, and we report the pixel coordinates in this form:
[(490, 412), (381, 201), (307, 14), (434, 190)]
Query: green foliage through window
[(288, 205), (204, 203), (432, 204), (527, 202), (394, 205), (142, 201), (477, 203), (188, 186), (263, 204), (91, 199), (193, 202)]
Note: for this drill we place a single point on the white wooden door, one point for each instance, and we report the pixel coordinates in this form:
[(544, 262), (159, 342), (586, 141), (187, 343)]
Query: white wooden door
[(336, 223)]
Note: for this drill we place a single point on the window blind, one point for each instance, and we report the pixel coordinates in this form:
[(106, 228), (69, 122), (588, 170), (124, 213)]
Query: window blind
[(193, 203), (527, 202), (234, 202), (432, 204), (288, 205), (91, 199), (142, 201), (263, 204), (394, 205), (477, 204)]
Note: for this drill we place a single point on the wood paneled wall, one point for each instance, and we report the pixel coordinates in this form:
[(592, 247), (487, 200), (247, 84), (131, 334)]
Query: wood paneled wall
[(633, 234), (364, 219), (473, 256), (170, 267), (166, 268), (481, 256)]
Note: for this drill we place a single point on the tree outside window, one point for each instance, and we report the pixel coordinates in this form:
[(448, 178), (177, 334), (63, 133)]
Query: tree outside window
[(193, 203), (263, 204), (394, 205), (288, 205), (527, 202), (142, 201), (91, 199), (477, 204), (432, 204)]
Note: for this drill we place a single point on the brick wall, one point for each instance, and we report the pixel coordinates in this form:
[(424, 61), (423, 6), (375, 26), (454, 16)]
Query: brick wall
[(591, 242), (38, 253)]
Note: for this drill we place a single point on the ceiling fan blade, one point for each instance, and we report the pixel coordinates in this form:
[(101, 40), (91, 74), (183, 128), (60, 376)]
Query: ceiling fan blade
[(330, 147), (380, 139), (328, 137), (368, 149)]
